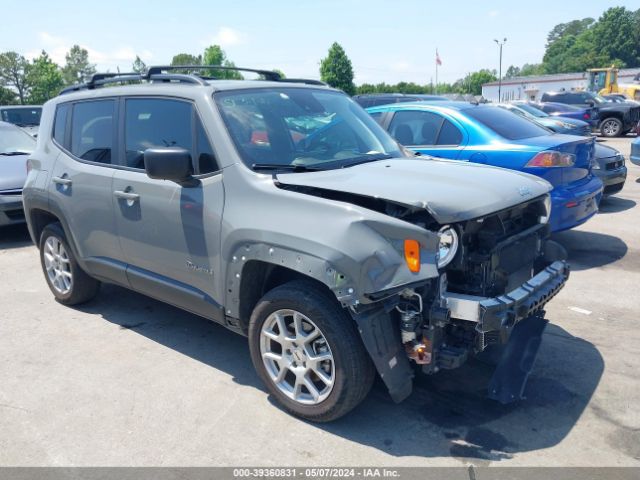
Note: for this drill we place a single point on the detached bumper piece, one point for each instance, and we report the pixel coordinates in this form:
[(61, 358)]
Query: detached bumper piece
[(505, 311)]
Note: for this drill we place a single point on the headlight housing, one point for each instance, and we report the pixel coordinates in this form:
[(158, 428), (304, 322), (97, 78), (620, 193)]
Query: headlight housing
[(547, 209), (448, 245)]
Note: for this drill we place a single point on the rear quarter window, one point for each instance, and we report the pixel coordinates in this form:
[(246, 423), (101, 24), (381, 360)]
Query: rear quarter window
[(60, 125), (506, 124)]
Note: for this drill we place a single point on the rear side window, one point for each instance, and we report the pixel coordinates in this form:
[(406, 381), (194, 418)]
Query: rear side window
[(506, 124), (92, 129), (449, 134), (157, 123), (60, 124), (413, 127)]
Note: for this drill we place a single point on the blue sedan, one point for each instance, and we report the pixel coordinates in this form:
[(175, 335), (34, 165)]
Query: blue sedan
[(494, 136)]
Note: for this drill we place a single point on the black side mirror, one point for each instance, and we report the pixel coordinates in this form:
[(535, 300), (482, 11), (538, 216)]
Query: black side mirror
[(170, 163), (590, 102)]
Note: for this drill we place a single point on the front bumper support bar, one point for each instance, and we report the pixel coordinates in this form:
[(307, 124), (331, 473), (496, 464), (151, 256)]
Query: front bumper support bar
[(506, 310)]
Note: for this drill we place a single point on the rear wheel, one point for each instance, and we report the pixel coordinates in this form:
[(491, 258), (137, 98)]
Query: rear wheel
[(611, 127), (308, 352), (67, 281)]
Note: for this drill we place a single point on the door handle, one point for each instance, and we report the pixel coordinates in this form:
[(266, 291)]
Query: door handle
[(130, 197), (62, 181)]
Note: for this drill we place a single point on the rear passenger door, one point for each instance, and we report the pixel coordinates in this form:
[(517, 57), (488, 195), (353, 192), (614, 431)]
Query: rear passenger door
[(428, 133), (81, 190), (170, 234)]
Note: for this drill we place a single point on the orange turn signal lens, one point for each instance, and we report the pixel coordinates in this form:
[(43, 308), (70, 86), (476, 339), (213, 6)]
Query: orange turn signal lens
[(412, 255)]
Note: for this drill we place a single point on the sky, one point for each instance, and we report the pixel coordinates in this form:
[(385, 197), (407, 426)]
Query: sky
[(387, 41)]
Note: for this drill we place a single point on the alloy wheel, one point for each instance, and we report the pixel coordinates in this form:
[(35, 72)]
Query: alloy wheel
[(58, 265), (297, 357)]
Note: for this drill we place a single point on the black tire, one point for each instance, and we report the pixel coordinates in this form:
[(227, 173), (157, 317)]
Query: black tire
[(354, 371), (611, 127), (83, 287)]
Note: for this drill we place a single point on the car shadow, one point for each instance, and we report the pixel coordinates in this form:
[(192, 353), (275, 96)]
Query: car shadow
[(447, 415), (615, 205), (589, 249), (14, 236)]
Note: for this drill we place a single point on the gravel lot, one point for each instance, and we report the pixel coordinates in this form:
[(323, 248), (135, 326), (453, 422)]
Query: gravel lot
[(126, 380)]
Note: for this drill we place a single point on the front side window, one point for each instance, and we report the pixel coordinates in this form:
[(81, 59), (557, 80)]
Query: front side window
[(155, 123), (92, 129), (158, 123), (295, 127)]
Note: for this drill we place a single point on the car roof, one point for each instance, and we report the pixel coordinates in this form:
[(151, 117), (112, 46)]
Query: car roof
[(179, 89), (441, 105)]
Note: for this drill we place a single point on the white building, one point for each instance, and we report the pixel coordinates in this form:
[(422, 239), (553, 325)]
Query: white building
[(532, 88)]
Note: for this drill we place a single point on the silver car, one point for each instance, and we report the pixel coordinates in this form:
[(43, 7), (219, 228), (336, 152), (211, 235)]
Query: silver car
[(281, 210), (15, 147)]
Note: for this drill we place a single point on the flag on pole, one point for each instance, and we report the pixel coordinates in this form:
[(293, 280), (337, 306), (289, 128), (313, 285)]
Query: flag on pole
[(438, 61)]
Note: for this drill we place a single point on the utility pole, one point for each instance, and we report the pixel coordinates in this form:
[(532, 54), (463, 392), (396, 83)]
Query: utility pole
[(500, 44)]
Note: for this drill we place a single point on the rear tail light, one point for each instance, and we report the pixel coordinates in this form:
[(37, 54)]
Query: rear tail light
[(586, 116), (551, 158)]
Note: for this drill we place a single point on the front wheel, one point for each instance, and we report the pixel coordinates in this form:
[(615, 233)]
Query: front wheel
[(67, 281), (308, 352), (611, 127)]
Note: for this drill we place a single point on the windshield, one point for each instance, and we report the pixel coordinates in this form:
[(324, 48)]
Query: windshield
[(14, 140), (303, 128), (531, 110), (24, 117), (505, 123), (599, 99)]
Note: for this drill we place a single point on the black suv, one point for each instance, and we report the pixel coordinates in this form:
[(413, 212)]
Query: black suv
[(615, 118)]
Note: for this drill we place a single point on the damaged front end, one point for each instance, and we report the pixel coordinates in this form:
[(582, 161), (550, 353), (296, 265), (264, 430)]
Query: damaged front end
[(489, 292)]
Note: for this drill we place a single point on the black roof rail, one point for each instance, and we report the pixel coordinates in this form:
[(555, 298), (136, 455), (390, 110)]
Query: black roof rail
[(307, 81), (267, 74), (160, 73), (98, 79)]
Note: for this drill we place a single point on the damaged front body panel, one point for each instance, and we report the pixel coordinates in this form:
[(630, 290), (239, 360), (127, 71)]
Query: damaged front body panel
[(504, 269)]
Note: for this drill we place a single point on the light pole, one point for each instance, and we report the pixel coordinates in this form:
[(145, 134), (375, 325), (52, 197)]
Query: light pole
[(500, 44)]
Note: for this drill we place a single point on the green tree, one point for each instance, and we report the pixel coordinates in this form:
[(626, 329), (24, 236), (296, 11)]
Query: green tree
[(512, 72), (7, 97), (532, 69), (138, 65), (214, 55), (475, 80), (616, 35), (186, 59), (77, 68), (13, 74), (336, 69), (575, 27), (45, 79)]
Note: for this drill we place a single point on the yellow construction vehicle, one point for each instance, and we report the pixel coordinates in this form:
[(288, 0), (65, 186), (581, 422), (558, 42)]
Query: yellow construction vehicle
[(605, 81)]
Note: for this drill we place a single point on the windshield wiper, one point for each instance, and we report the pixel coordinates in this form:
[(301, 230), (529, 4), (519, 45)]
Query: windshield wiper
[(11, 154), (288, 167), (350, 162)]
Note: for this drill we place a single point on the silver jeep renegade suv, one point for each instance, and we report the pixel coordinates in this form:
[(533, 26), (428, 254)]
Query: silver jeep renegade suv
[(282, 211)]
